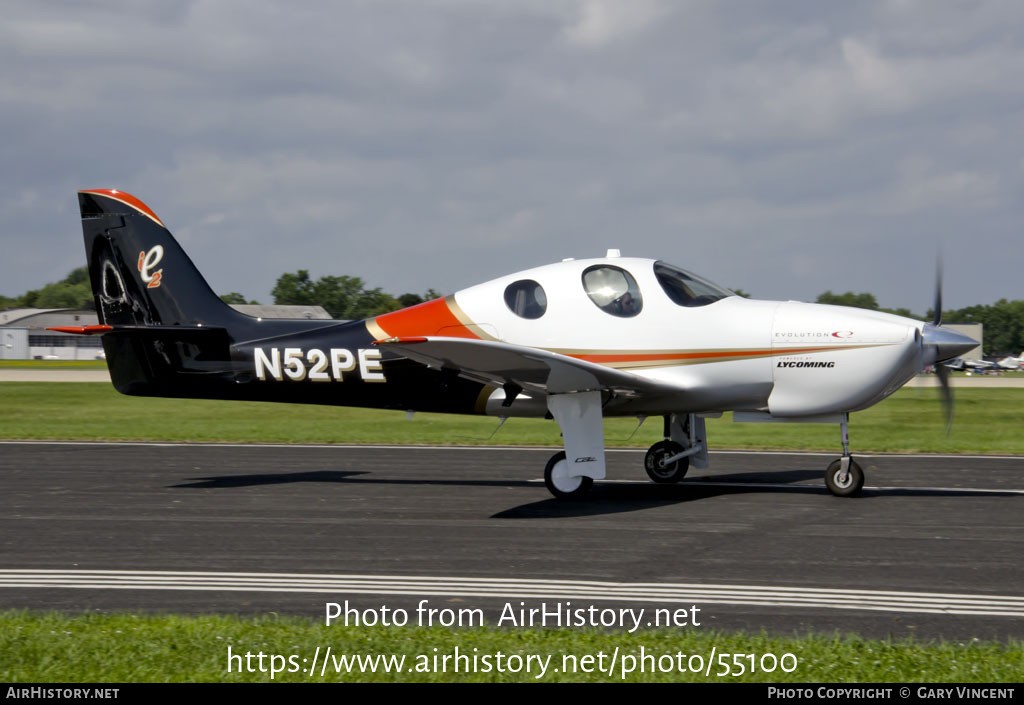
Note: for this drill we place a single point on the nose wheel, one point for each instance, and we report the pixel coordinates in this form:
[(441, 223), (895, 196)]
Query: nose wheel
[(844, 481)]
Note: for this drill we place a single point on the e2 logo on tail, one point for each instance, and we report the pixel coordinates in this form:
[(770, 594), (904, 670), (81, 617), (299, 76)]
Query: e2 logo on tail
[(148, 260)]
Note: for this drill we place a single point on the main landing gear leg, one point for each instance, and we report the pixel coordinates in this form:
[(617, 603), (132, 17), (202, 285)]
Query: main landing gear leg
[(844, 476), (570, 473)]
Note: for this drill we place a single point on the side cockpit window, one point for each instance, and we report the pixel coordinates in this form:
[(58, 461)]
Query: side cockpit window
[(526, 299), (613, 290), (686, 289)]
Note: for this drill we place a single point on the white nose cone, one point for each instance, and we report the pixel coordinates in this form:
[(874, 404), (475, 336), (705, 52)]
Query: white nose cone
[(613, 254), (829, 359)]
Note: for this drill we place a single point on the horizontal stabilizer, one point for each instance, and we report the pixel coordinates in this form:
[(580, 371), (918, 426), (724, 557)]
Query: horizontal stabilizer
[(176, 331), (83, 330)]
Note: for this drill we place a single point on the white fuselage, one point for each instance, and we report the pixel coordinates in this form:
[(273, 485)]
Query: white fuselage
[(791, 359)]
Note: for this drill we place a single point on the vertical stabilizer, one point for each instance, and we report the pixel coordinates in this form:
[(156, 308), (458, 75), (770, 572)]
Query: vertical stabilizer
[(139, 273)]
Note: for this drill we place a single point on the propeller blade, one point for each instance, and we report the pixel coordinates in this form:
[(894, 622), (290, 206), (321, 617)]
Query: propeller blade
[(939, 345), (947, 395)]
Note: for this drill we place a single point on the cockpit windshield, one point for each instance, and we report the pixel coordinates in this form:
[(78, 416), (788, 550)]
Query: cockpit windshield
[(687, 289)]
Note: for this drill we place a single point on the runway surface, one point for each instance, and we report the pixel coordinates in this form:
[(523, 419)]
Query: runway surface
[(933, 548)]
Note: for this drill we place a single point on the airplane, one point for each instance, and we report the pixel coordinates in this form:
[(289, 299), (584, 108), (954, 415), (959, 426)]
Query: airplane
[(575, 341), (1011, 363), (961, 365), (956, 363)]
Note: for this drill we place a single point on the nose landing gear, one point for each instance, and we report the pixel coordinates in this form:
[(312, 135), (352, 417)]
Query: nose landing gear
[(844, 477)]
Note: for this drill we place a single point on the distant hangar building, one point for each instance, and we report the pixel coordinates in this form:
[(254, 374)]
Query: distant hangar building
[(24, 334)]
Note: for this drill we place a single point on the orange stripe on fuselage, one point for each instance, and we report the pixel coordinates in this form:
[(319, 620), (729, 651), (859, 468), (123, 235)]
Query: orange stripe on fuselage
[(429, 318), (603, 359)]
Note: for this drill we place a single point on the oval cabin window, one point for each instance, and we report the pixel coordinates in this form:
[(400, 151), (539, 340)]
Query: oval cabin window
[(613, 290), (526, 299)]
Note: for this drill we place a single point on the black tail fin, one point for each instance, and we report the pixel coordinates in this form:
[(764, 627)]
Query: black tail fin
[(140, 275), (165, 332)]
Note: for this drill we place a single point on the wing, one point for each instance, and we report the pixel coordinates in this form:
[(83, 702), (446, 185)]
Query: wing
[(533, 369)]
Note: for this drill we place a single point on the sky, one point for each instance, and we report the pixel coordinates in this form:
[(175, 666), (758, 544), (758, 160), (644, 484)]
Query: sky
[(784, 148)]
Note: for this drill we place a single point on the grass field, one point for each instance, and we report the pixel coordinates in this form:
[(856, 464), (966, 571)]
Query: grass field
[(51, 648), (987, 421), (53, 365)]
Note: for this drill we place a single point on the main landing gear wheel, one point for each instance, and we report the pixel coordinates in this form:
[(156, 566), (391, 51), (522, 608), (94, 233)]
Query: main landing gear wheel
[(661, 472), (844, 484), (560, 483)]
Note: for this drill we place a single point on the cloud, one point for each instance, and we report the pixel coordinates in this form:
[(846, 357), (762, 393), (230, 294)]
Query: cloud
[(603, 21), (437, 144)]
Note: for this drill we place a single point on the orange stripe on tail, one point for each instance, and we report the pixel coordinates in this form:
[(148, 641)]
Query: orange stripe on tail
[(128, 200)]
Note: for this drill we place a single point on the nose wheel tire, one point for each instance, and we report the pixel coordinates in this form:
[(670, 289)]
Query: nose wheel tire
[(844, 484), (660, 471), (560, 483)]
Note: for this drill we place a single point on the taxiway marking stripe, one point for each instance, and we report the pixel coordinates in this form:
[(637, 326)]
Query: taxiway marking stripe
[(779, 596), (705, 599), (418, 579)]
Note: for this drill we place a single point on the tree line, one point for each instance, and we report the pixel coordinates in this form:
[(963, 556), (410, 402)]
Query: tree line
[(1002, 322), (342, 297), (73, 291), (348, 297)]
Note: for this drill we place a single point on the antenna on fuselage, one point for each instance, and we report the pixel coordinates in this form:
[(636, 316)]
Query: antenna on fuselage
[(639, 422), (501, 422)]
